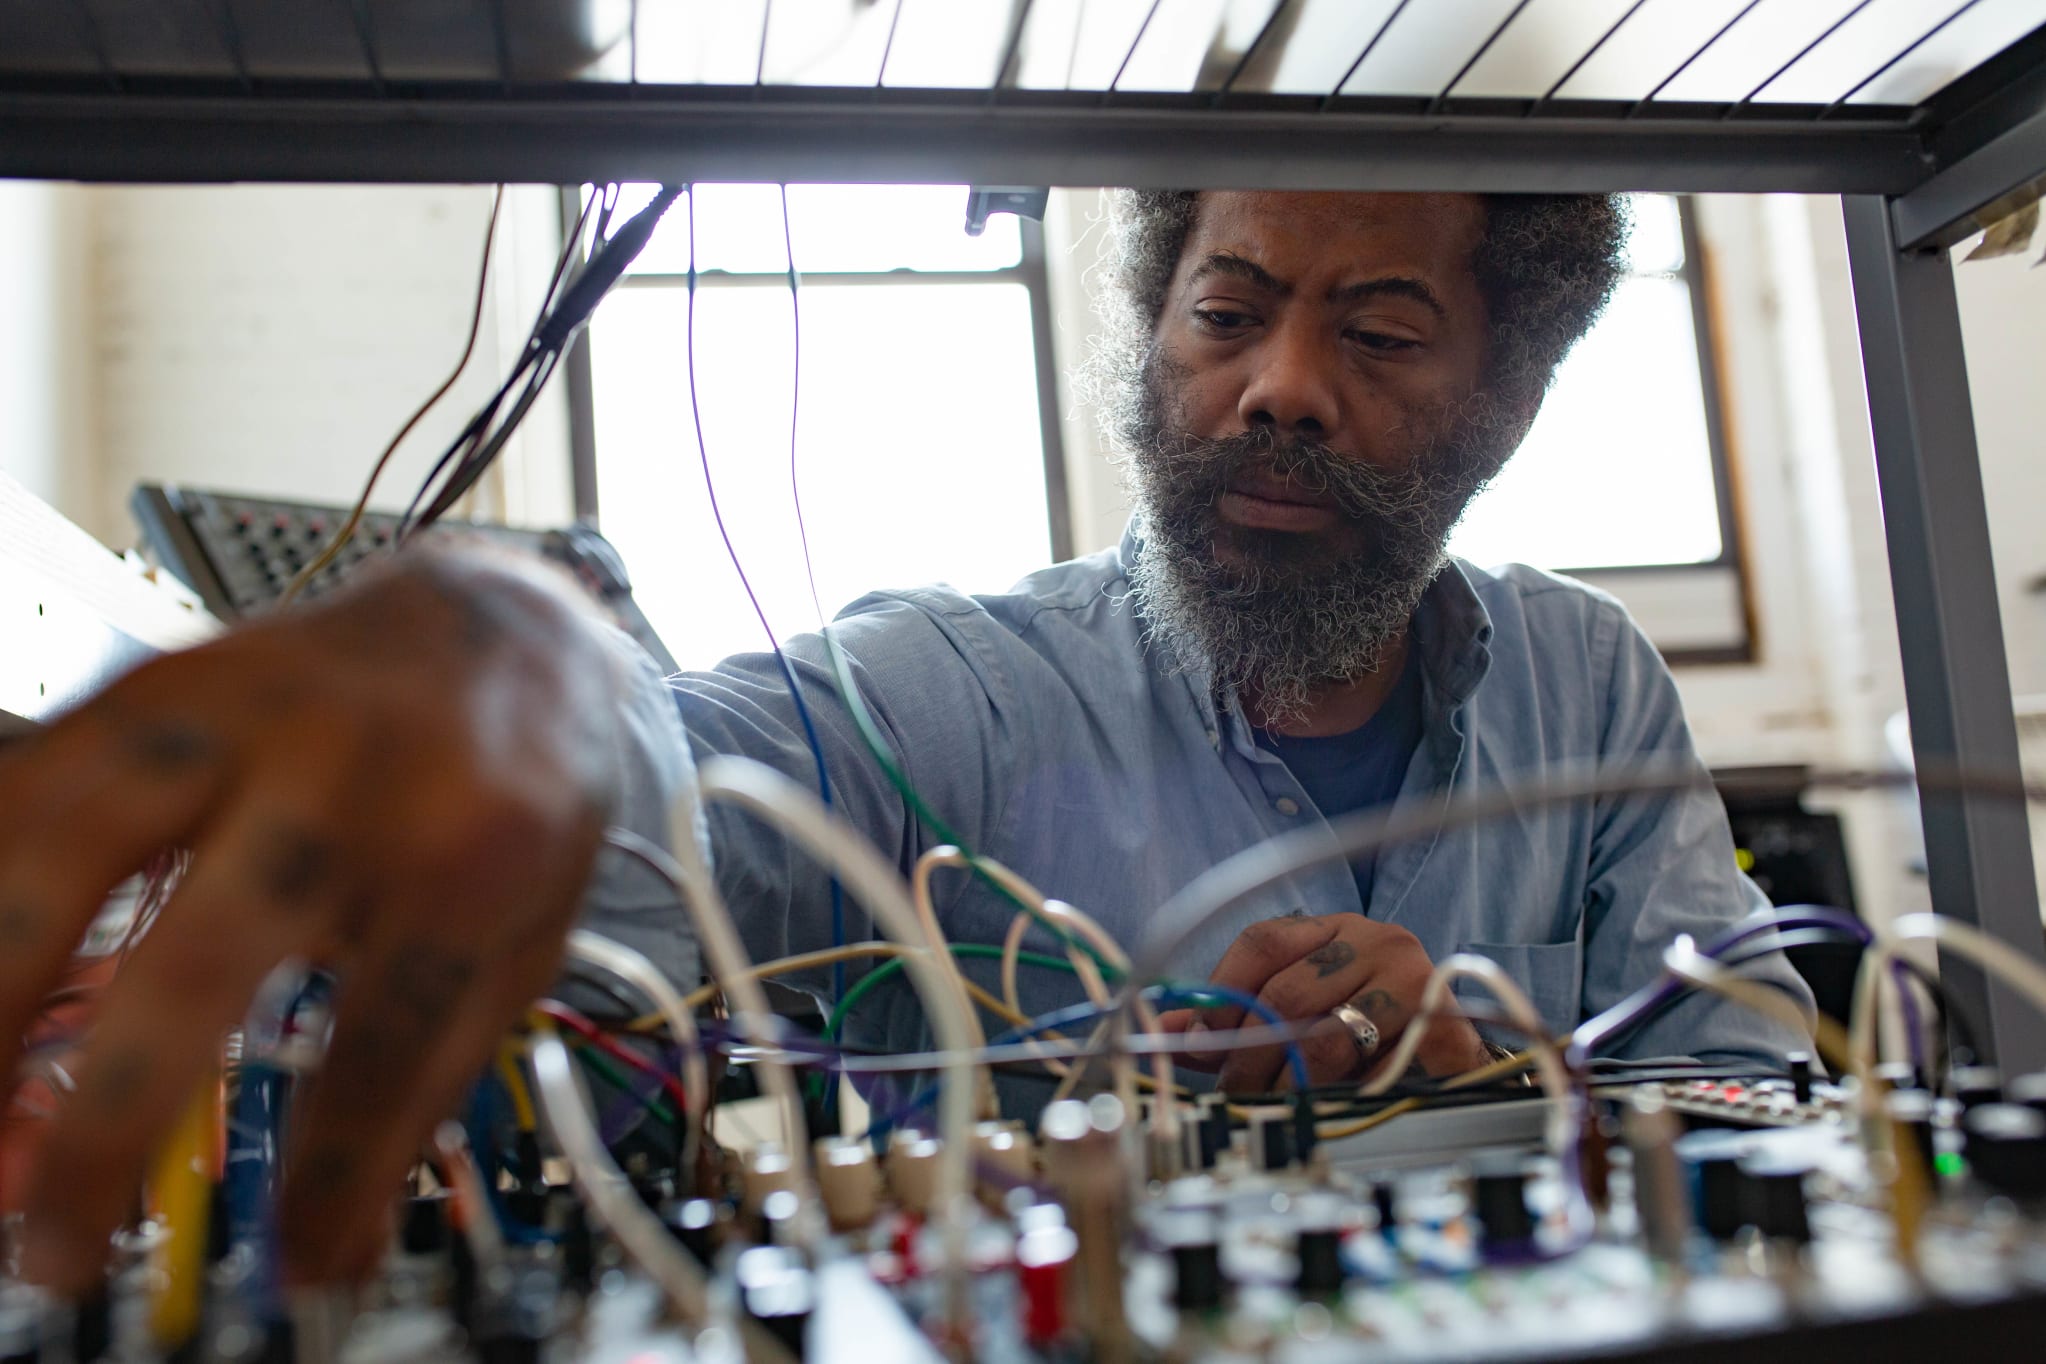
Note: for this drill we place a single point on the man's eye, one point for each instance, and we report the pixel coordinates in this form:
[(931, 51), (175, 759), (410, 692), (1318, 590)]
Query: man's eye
[(1381, 343), (1223, 319)]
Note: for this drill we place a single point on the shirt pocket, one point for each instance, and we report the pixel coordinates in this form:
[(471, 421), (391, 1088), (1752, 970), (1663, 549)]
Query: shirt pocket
[(1552, 974)]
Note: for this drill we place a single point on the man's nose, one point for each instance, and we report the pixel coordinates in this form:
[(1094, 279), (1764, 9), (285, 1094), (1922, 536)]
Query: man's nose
[(1292, 390)]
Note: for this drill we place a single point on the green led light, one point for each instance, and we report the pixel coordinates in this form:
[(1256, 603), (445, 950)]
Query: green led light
[(1950, 1164)]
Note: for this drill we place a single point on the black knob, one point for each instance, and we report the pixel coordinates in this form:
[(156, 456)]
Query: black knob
[(512, 1349), (1321, 1263), (694, 1224), (1500, 1200), (219, 1231), (1214, 1135), (527, 1203), (654, 1190), (463, 1280), (424, 1229), (1800, 1076), (1720, 1210), (1274, 1144), (2006, 1148), (578, 1242), (280, 1343), (1386, 1201), (1776, 1204), (92, 1328), (1197, 1277), (1305, 1138), (1975, 1085)]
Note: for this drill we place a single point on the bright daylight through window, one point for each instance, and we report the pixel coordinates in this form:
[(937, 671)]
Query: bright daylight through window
[(920, 453), (1618, 471)]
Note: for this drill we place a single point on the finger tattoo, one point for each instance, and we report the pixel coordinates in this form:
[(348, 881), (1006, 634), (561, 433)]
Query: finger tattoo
[(168, 749), (1331, 957), (1378, 1005)]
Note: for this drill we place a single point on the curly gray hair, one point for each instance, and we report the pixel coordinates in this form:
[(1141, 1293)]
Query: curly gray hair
[(1546, 266)]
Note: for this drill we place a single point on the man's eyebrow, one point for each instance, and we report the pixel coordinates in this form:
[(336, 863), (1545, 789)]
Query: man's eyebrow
[(1243, 268), (1390, 286)]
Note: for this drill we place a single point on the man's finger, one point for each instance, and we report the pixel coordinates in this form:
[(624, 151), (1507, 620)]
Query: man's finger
[(1251, 1070), (158, 1034), (1339, 970), (417, 1025), (1261, 951), (103, 803), (358, 1140), (1333, 1055)]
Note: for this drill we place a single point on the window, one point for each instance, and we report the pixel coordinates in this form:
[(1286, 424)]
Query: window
[(923, 451), (1623, 480)]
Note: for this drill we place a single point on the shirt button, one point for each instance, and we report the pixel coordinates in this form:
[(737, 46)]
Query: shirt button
[(1286, 805)]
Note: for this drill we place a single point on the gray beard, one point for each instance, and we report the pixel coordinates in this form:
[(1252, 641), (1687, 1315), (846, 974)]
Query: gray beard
[(1283, 613)]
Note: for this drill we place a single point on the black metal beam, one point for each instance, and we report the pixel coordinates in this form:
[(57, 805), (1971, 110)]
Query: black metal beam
[(922, 137), (1986, 139), (1941, 211), (1956, 677)]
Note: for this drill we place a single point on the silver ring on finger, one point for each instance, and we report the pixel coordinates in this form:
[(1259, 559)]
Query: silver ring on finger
[(1363, 1032)]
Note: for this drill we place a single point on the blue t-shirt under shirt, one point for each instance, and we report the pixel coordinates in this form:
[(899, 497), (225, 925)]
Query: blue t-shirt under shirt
[(1360, 769)]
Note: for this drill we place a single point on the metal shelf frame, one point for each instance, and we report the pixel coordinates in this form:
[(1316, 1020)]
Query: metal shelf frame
[(1912, 180)]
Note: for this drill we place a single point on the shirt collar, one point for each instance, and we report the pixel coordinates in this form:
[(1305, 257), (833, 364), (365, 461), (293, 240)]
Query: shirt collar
[(1452, 632)]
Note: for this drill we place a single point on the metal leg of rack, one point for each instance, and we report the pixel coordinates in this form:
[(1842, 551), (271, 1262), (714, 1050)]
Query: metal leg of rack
[(1978, 847)]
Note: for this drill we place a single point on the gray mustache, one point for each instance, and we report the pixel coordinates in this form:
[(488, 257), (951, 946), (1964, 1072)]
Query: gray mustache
[(1360, 490)]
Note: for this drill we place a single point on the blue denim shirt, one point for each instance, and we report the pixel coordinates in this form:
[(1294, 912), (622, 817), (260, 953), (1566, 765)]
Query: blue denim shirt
[(1049, 735)]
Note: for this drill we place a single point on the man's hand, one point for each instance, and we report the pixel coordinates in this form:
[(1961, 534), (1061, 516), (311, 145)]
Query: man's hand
[(406, 784), (1303, 968)]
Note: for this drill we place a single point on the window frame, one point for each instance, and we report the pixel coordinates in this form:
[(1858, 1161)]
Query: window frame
[(1029, 271), (1732, 558)]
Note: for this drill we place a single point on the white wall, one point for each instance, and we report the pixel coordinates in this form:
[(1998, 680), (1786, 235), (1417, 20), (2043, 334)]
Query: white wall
[(47, 435), (270, 339)]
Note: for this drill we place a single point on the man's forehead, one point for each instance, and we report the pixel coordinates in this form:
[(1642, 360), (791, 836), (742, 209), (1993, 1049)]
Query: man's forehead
[(1332, 233)]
